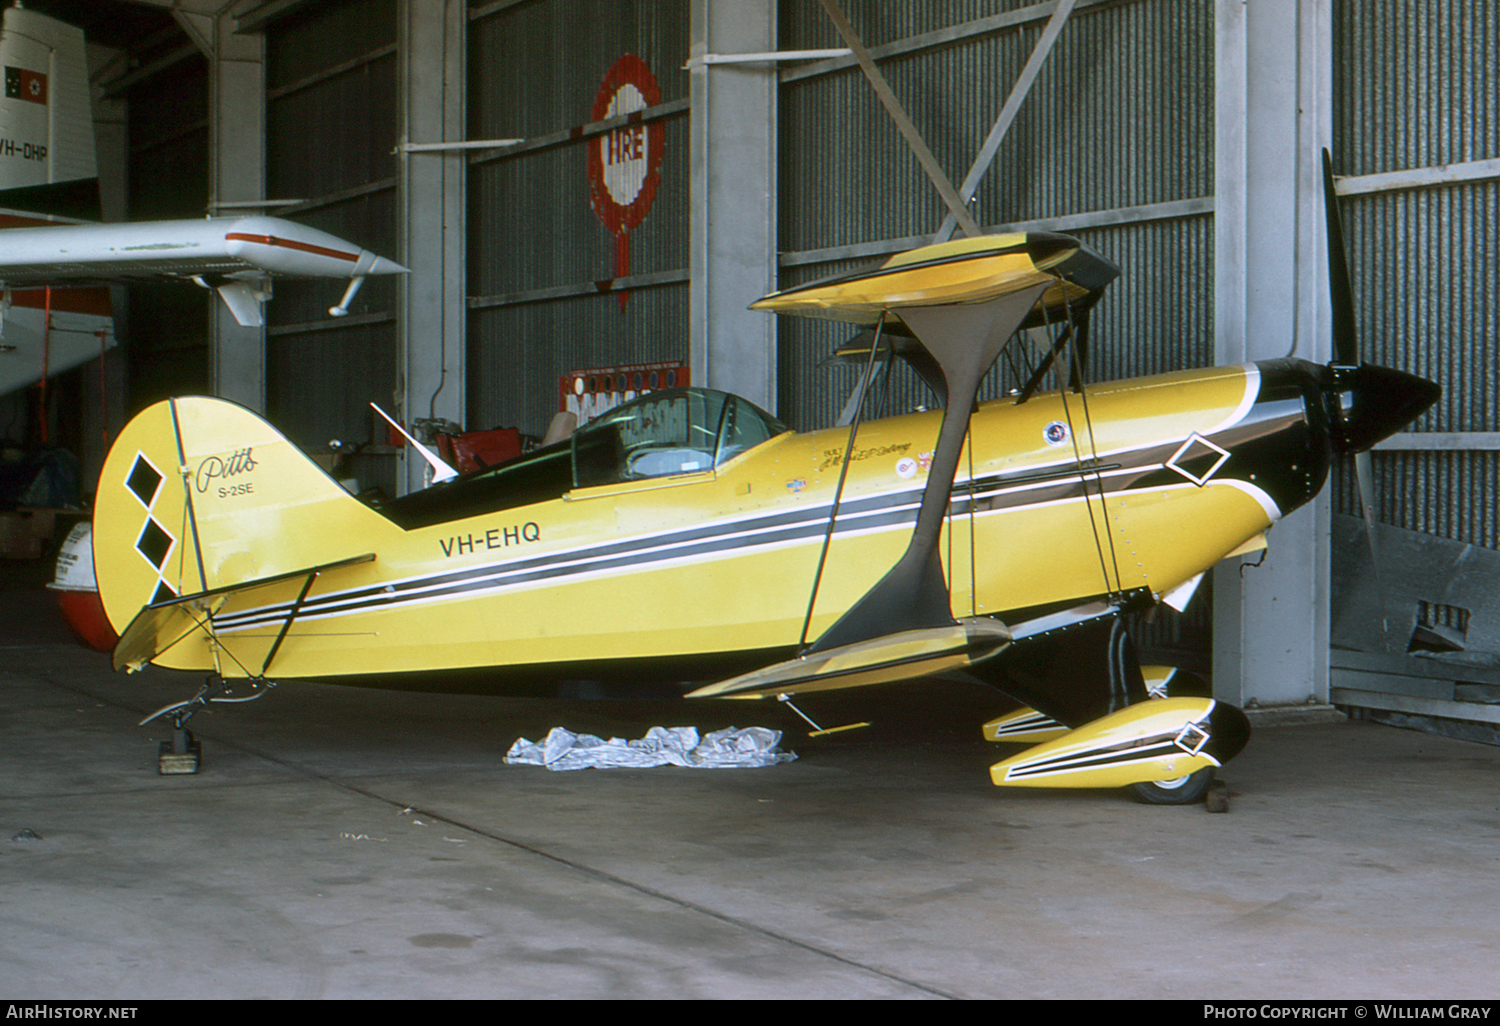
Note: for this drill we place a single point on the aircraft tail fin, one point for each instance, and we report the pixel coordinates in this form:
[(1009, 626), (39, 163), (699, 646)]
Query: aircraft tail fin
[(201, 497), (46, 118), (48, 174)]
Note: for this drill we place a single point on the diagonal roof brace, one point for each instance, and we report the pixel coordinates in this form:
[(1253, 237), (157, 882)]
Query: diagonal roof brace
[(1018, 94), (908, 130), (699, 60)]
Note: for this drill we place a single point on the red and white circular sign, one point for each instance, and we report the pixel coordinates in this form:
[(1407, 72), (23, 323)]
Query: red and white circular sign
[(625, 164)]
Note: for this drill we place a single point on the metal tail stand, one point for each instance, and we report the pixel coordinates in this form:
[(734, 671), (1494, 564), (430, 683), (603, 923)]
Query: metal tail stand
[(183, 754)]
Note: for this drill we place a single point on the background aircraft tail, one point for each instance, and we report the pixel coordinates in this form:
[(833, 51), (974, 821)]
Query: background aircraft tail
[(48, 174), (200, 495), (47, 161)]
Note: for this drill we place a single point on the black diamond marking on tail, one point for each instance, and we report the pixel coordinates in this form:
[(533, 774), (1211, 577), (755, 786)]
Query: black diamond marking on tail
[(163, 593), (154, 543), (144, 480)]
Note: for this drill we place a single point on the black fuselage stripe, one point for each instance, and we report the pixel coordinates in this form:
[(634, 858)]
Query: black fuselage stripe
[(1149, 749), (491, 578), (814, 517), (988, 494)]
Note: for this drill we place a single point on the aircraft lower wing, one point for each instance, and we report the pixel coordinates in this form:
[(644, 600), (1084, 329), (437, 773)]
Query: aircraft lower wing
[(901, 656)]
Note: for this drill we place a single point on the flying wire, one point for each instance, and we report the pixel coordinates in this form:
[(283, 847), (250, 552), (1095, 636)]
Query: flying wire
[(838, 492), (1083, 395), (1088, 503)]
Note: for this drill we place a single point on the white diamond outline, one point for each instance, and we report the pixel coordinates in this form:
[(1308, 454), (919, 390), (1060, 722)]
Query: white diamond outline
[(1188, 444), (1189, 730), (162, 479), (160, 571)]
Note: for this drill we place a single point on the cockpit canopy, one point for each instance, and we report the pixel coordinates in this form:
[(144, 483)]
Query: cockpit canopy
[(676, 431), (661, 434)]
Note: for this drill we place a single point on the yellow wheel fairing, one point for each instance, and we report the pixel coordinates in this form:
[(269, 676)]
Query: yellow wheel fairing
[(1023, 724), (1159, 739)]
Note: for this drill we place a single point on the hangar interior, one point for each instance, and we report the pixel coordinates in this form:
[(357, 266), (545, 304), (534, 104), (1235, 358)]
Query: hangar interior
[(1179, 138)]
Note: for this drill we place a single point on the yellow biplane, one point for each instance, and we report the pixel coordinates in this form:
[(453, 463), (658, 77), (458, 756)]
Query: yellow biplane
[(690, 536)]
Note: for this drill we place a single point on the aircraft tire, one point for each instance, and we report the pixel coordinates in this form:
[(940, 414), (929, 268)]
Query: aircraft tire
[(1182, 791)]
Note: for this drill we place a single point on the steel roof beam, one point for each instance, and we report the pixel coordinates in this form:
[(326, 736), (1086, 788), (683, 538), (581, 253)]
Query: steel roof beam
[(904, 123), (1008, 111)]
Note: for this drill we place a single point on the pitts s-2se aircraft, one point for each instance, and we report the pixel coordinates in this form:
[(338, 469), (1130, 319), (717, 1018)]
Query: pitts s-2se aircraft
[(688, 535)]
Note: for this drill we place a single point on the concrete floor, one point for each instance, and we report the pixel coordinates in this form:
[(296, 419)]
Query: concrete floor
[(361, 844)]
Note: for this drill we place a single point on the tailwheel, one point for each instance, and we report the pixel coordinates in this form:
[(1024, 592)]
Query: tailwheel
[(1183, 790)]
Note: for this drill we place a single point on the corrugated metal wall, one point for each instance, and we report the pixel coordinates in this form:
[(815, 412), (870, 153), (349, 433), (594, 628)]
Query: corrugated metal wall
[(1418, 90), (535, 70), (1121, 116), (331, 128), (165, 328)]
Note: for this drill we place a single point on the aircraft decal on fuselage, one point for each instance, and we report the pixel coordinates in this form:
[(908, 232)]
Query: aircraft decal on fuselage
[(1148, 466), (834, 456)]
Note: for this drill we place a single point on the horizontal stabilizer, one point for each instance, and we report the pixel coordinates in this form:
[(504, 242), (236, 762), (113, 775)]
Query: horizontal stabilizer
[(893, 657), (161, 625)]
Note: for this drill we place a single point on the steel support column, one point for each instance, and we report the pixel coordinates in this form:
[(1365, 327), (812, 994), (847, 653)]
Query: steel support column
[(733, 212), (237, 161), (1273, 100), (430, 300)]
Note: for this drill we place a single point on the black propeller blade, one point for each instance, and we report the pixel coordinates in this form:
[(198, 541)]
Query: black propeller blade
[(1345, 333)]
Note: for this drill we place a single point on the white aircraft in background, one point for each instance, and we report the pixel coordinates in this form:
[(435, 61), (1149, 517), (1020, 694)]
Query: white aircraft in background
[(53, 314)]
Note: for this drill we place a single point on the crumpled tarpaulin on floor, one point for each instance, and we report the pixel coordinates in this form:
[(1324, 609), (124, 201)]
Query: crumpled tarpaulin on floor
[(746, 747)]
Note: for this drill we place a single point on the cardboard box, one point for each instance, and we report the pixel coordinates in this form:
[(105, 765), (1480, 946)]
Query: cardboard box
[(26, 533)]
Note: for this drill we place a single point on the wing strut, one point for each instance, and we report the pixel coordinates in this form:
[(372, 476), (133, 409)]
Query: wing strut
[(965, 339), (838, 492)]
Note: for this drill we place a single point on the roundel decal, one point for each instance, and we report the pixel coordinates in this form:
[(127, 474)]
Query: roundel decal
[(625, 163)]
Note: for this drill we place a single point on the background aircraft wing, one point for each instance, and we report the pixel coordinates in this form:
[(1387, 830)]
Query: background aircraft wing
[(213, 252)]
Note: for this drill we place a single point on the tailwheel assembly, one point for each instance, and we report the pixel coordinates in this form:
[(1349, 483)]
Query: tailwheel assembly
[(183, 753)]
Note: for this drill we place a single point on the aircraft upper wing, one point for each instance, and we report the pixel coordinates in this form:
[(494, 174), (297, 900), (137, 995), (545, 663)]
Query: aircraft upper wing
[(963, 271), (227, 253)]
